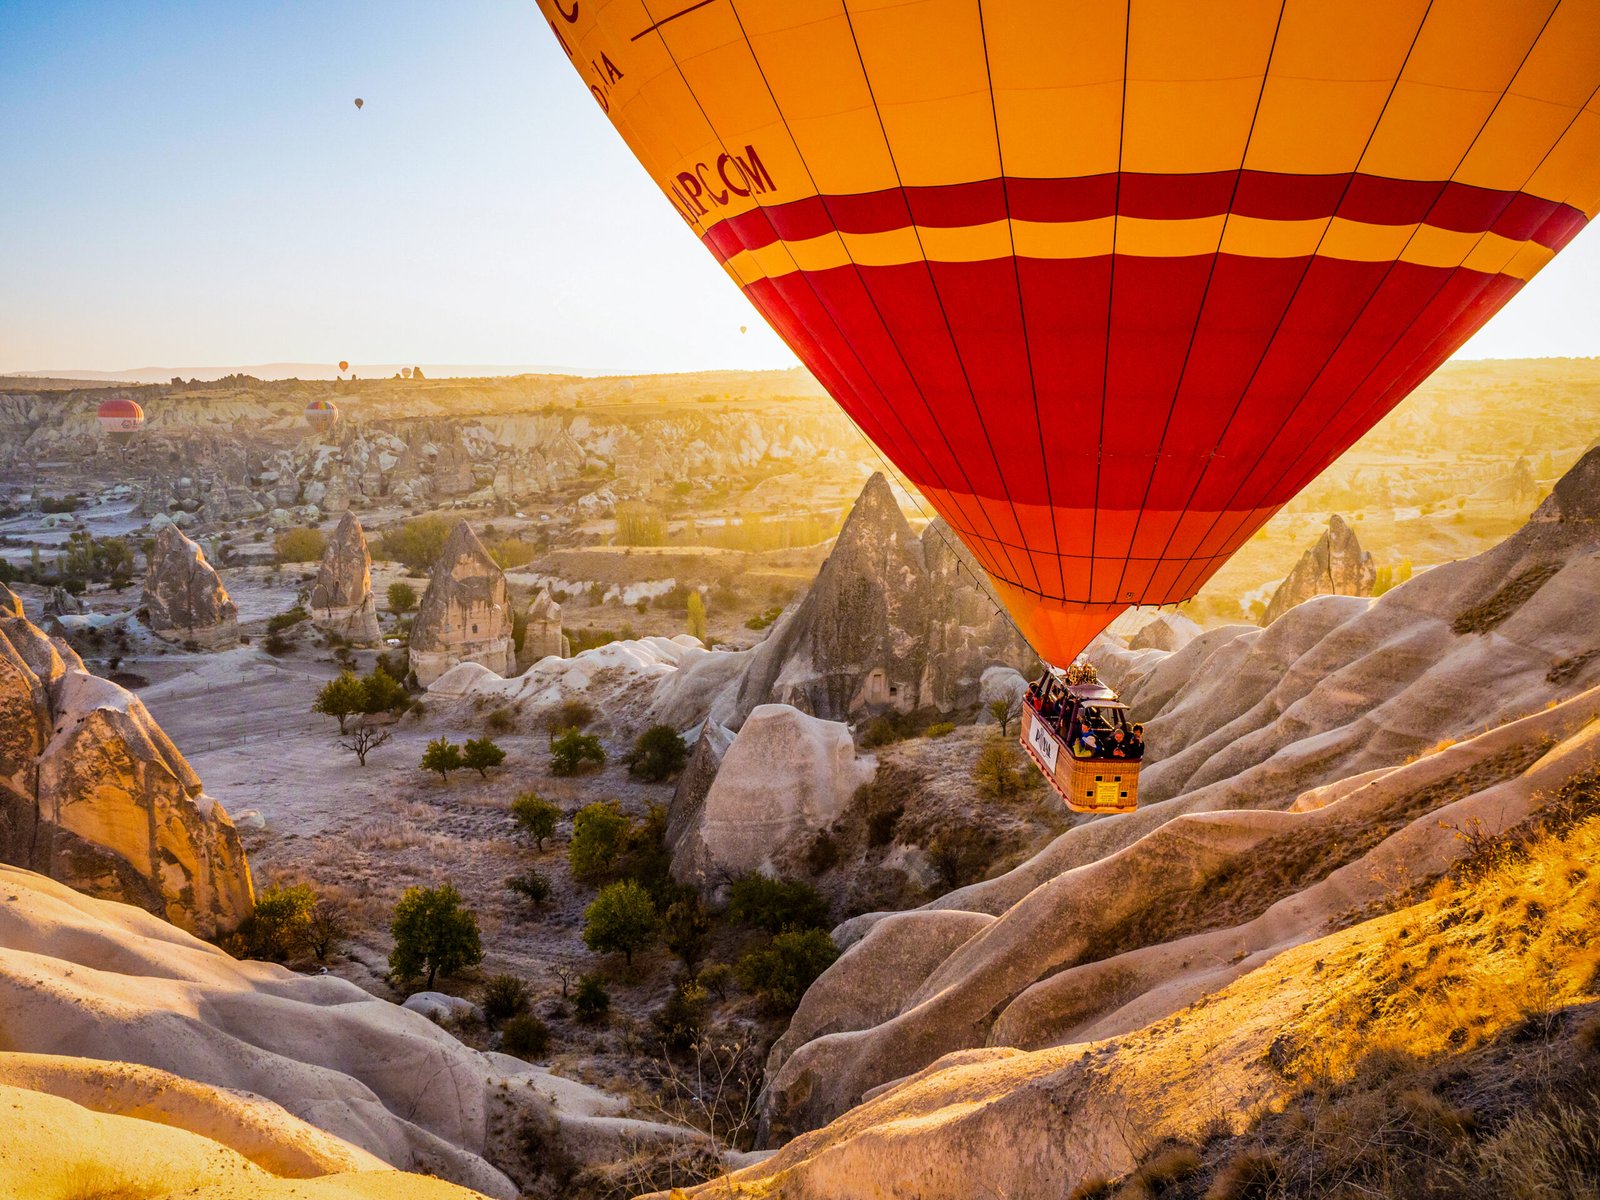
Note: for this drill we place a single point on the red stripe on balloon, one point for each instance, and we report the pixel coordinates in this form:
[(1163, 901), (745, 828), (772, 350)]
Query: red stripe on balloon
[(1371, 199)]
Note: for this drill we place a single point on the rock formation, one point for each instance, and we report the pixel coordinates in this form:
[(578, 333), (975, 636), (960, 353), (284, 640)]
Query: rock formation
[(785, 775), (341, 599), (542, 636), (94, 794), (1370, 728), (893, 621), (89, 988), (63, 603), (1335, 566), (10, 603), (184, 597), (465, 615)]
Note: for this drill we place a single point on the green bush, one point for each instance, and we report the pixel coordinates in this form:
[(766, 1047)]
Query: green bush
[(504, 996), (418, 542), (402, 597), (939, 729), (383, 692), (434, 934), (682, 1019), (535, 817), (621, 918), (272, 930), (590, 1001), (501, 720), (765, 617), (443, 756), (781, 972), (575, 753), (717, 978), (299, 545), (1000, 771), (658, 754), (531, 885), (686, 930), (599, 836), (479, 754), (278, 622), (525, 1036), (777, 904), (886, 730), (341, 698)]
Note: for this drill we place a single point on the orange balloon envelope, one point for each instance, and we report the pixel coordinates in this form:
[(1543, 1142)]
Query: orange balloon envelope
[(119, 419), (343, 366), (322, 415), (1111, 282)]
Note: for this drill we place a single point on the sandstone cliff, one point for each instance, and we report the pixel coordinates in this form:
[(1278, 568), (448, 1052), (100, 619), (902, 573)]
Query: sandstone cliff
[(542, 636), (465, 615), (1335, 566), (894, 620), (1294, 771), (341, 599), (94, 794), (184, 597)]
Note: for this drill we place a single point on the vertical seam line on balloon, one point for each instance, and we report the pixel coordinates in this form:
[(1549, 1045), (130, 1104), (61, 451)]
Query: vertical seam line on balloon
[(871, 299), (1205, 295), (1111, 304), (1389, 270), (1022, 311), (1296, 466), (1311, 258), (933, 282)]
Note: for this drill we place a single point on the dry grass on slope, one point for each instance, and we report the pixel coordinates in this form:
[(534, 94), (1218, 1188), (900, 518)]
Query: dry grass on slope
[(1457, 1055)]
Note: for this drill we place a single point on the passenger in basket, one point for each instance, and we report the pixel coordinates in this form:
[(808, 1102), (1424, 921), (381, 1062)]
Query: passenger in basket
[(1136, 742), (1118, 745)]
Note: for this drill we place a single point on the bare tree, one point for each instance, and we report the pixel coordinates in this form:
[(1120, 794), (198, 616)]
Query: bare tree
[(364, 741), (717, 1091), (1005, 710)]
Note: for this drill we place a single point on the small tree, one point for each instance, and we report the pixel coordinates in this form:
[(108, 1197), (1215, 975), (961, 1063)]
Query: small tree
[(525, 1036), (959, 853), (1004, 711), (434, 934), (402, 597), (599, 836), (299, 545), (686, 929), (999, 771), (777, 904), (697, 616), (503, 996), (324, 925), (783, 971), (364, 741), (272, 930), (575, 753), (622, 917), (569, 714), (480, 754), (382, 692), (531, 885), (590, 1000), (341, 698), (536, 817), (442, 756), (658, 754)]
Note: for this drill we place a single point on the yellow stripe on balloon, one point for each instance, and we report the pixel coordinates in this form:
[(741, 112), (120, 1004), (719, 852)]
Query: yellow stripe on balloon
[(1253, 237)]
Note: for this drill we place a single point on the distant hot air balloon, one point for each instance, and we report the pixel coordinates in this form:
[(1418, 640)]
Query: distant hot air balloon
[(744, 329), (1111, 283), (405, 372), (359, 101), (120, 418), (343, 367), (322, 415)]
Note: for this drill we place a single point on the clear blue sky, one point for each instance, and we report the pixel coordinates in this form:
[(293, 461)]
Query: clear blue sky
[(190, 183)]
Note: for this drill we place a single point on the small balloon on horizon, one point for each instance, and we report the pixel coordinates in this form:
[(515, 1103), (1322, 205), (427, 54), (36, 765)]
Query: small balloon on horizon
[(359, 101)]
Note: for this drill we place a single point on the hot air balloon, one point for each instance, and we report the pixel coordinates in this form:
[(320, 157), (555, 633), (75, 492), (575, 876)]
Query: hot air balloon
[(744, 329), (343, 367), (1109, 283), (359, 102), (120, 418), (322, 415), (405, 372)]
